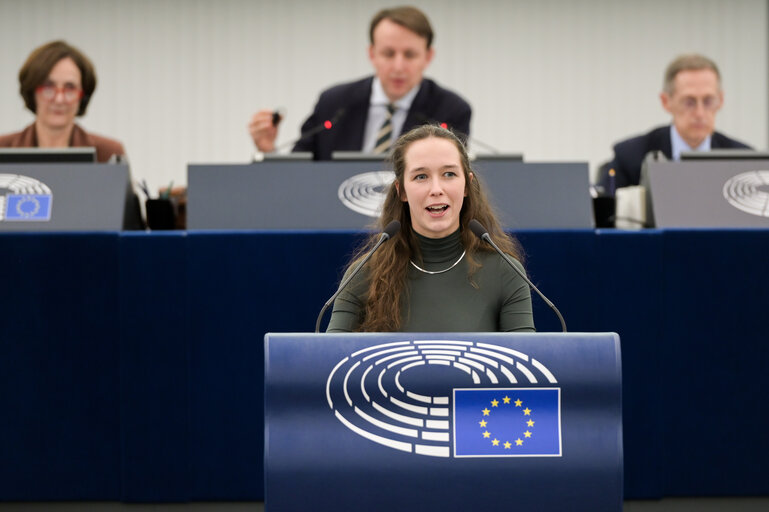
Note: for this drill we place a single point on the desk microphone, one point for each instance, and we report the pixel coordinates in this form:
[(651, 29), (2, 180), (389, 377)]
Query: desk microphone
[(462, 136), (389, 231), (325, 125), (481, 232)]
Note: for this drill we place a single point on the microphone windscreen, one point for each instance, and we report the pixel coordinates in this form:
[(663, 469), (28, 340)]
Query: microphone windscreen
[(392, 228), (477, 228)]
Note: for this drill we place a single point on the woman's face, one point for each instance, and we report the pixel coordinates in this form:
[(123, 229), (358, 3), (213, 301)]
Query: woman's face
[(433, 186), (58, 98)]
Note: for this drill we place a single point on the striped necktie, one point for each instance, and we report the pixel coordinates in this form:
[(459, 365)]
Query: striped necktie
[(384, 135)]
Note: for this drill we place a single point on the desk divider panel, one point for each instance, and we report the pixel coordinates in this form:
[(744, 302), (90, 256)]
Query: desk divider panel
[(327, 195), (67, 197)]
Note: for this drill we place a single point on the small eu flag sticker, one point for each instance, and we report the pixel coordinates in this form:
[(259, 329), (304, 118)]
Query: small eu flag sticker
[(507, 422), (29, 207)]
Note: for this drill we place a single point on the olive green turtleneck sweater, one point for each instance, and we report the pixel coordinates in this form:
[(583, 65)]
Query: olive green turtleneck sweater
[(448, 302)]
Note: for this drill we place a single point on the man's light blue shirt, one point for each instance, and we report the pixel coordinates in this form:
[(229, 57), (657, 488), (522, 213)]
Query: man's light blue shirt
[(377, 111), (678, 144)]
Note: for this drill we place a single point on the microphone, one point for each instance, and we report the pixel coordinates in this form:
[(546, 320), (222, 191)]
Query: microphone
[(325, 125), (481, 232), (428, 120), (389, 231), (277, 116)]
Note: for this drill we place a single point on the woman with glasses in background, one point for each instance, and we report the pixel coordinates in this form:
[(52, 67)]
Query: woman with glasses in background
[(57, 82)]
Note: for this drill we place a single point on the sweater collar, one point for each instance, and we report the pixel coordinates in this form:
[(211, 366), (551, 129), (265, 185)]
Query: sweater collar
[(436, 251)]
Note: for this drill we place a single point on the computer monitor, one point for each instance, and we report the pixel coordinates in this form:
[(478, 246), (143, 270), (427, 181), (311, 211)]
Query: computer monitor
[(47, 155), (725, 154), (358, 156), (505, 157), (294, 156)]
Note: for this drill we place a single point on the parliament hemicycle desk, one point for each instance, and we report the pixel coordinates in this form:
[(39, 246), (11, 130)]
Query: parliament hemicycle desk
[(132, 364)]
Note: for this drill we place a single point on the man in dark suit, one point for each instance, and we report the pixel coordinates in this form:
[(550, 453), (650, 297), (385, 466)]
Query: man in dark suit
[(369, 114), (692, 95)]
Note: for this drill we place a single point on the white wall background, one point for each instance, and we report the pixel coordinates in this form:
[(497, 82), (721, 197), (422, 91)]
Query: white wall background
[(554, 79)]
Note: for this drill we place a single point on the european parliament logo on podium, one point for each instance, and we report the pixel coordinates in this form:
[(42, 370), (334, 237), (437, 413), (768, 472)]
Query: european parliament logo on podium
[(380, 393)]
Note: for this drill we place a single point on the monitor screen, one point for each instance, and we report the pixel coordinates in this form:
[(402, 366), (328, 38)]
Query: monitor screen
[(294, 156), (47, 155), (359, 156), (509, 157), (725, 154)]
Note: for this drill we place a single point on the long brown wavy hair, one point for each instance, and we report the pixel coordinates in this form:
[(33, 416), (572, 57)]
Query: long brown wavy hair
[(389, 266)]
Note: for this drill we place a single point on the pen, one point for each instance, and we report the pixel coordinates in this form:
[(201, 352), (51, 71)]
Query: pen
[(143, 186), (167, 193)]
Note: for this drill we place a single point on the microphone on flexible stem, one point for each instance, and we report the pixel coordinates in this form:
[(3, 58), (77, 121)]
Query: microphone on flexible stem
[(481, 232), (325, 125), (389, 231), (463, 136)]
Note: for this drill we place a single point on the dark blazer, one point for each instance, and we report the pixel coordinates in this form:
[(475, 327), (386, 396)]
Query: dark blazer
[(347, 106), (105, 147), (630, 154)]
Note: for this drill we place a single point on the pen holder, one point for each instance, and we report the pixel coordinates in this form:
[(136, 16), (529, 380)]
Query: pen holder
[(178, 195), (161, 214), (604, 211)]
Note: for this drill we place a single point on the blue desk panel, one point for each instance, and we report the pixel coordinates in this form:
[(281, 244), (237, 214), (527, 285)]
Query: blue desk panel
[(59, 367), (131, 365)]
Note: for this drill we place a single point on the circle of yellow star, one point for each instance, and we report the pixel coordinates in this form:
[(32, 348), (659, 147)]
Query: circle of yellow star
[(518, 442), (507, 445), (483, 423), (486, 434), (527, 412), (495, 442), (518, 403), (527, 434), (486, 411), (494, 403), (506, 399), (529, 423)]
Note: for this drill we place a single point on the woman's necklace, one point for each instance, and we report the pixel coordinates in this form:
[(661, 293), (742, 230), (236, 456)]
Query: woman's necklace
[(431, 272)]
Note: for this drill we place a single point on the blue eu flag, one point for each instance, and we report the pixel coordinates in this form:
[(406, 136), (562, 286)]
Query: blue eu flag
[(507, 422), (36, 207)]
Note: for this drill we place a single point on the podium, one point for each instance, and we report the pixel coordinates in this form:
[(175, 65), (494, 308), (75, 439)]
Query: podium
[(443, 422)]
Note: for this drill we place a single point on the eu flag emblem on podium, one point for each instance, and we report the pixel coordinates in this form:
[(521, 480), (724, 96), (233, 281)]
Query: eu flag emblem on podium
[(507, 422), (35, 207)]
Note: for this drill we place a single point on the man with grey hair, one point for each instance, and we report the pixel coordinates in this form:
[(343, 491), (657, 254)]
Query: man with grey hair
[(692, 94)]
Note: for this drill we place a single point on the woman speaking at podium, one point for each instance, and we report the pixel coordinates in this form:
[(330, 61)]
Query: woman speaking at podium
[(57, 81), (435, 274)]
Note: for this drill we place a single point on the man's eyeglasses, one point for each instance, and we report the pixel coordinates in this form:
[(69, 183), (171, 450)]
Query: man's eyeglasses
[(709, 103), (70, 93)]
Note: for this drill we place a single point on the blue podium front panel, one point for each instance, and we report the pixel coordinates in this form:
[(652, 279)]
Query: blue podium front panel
[(443, 422)]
